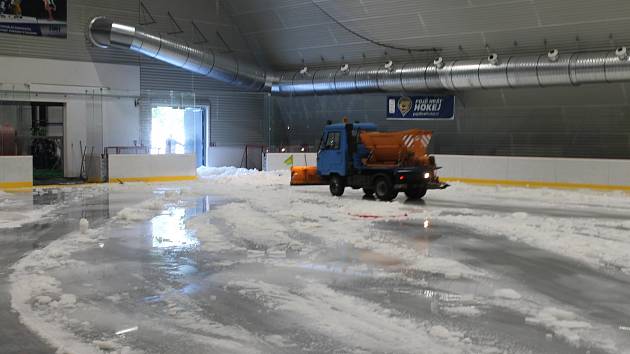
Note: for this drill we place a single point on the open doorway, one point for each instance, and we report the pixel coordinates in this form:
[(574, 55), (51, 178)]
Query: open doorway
[(177, 130), (35, 129)]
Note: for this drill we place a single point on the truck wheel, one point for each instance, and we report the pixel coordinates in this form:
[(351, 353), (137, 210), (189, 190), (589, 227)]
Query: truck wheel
[(369, 192), (384, 189), (337, 186), (416, 192)]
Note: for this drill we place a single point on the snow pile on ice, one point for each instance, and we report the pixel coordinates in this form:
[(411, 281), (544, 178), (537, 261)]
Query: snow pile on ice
[(507, 294), (210, 237), (143, 211), (14, 215), (563, 323), (84, 226), (39, 298), (465, 311), (221, 172), (239, 176), (443, 333)]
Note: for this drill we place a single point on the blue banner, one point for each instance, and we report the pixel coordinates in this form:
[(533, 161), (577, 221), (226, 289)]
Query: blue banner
[(420, 107)]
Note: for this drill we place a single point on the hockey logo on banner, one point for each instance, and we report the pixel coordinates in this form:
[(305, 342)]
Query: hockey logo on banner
[(420, 107)]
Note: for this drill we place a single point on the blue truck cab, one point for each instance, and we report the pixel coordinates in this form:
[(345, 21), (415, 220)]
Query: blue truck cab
[(334, 153)]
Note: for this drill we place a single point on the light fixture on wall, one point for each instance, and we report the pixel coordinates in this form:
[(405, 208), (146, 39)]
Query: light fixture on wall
[(622, 53), (439, 62), (553, 55), (493, 59)]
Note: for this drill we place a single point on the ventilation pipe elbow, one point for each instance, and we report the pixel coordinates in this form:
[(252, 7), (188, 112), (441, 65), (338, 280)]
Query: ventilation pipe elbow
[(99, 32)]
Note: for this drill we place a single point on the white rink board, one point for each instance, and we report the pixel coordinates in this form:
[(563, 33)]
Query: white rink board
[(151, 166), (528, 169), (16, 169), (536, 169)]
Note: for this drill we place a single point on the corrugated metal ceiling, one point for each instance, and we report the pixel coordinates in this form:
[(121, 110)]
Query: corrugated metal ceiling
[(287, 32)]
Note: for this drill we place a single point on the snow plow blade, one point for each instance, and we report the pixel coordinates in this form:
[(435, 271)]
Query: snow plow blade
[(305, 176)]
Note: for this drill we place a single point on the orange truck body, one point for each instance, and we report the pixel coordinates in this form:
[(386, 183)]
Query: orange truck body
[(306, 176), (405, 148)]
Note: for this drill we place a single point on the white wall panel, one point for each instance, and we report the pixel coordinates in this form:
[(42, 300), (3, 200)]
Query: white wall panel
[(121, 122), (619, 172), (531, 169), (61, 76), (484, 166), (582, 171), (225, 156)]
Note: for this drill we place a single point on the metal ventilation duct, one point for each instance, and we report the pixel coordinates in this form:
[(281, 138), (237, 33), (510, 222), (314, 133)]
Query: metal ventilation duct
[(552, 69)]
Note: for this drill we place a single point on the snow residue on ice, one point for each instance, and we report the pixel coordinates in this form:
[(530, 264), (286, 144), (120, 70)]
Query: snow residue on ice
[(582, 239), (563, 323), (361, 325), (252, 226), (507, 294), (143, 211), (13, 215), (271, 212), (39, 299), (210, 237), (464, 311)]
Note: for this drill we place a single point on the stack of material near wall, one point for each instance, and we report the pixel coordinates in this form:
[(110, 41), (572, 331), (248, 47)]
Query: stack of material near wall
[(8, 145)]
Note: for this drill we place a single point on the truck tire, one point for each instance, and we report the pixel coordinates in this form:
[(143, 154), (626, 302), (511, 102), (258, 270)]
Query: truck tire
[(337, 186), (384, 189), (416, 192), (369, 192)]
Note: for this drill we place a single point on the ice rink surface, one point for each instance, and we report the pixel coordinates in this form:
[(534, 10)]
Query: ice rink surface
[(240, 262)]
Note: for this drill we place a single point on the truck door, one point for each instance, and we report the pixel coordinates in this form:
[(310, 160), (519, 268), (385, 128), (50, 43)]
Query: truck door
[(332, 154)]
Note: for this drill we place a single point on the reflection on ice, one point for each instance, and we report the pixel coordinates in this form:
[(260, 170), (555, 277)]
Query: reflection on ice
[(168, 230)]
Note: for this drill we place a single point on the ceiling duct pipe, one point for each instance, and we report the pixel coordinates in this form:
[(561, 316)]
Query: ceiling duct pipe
[(550, 69)]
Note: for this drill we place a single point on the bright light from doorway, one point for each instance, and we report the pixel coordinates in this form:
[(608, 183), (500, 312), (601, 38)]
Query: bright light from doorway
[(168, 132)]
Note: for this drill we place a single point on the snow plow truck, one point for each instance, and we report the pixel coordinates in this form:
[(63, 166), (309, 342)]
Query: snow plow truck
[(381, 163)]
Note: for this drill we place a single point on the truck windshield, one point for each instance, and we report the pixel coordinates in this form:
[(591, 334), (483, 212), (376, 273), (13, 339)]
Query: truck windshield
[(332, 141)]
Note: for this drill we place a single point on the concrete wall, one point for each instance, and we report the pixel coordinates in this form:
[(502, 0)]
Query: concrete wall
[(503, 170), (589, 121), (100, 100), (220, 156), (152, 168), (16, 171)]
